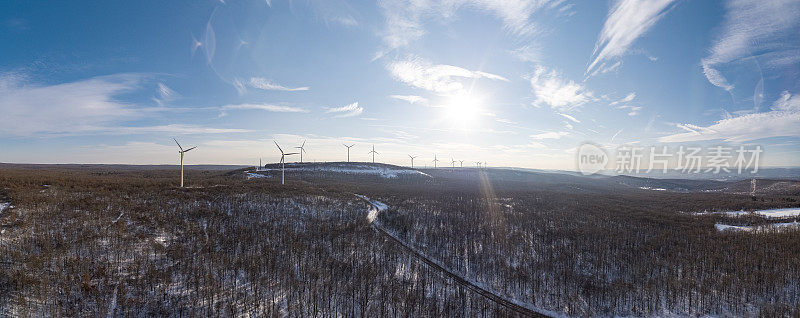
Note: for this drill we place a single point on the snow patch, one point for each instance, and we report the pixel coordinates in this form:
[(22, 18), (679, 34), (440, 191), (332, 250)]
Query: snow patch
[(779, 213), (726, 213), (377, 206), (755, 228), (654, 189), (769, 214), (4, 205), (251, 175)]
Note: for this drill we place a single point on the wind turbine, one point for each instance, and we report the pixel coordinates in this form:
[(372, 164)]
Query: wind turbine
[(462, 163), (453, 162), (283, 161), (302, 150), (182, 152), (435, 160), (348, 151), (373, 152), (412, 160), (478, 164)]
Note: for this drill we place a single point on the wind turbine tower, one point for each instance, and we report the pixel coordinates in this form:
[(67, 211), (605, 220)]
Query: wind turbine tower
[(181, 151), (412, 160), (453, 162), (435, 160), (373, 152), (302, 150), (283, 159), (462, 163), (348, 151)]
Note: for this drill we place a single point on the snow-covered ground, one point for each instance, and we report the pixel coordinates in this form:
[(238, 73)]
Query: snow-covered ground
[(251, 175), (378, 206), (384, 172), (755, 228), (727, 213), (654, 189), (779, 213), (3, 206), (769, 214)]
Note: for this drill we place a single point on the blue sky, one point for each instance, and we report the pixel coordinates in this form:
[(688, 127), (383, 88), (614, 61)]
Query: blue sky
[(510, 82)]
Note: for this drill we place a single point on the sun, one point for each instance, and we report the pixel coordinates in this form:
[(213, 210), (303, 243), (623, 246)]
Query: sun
[(462, 109)]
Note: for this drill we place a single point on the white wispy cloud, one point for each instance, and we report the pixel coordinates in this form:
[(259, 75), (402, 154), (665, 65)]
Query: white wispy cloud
[(438, 78), (627, 21), (349, 110), (527, 53), (165, 94), (30, 108), (406, 19), (781, 121), (627, 99), (549, 135), (338, 12), (553, 90), (573, 119), (632, 110), (264, 107), (89, 106), (413, 99), (505, 121), (181, 129), (755, 28), (604, 68), (265, 84), (240, 86), (622, 103), (787, 102), (744, 128)]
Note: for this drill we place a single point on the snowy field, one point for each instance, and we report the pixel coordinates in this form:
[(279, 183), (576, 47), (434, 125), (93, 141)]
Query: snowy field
[(252, 175), (756, 228), (769, 214), (779, 213)]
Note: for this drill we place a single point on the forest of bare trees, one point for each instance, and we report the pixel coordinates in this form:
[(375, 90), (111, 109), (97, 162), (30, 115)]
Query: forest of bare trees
[(121, 243)]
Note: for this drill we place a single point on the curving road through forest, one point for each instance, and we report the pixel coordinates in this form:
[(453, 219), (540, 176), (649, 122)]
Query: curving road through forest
[(372, 215)]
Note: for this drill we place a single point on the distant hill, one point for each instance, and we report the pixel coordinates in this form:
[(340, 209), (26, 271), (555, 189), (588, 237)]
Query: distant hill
[(118, 167)]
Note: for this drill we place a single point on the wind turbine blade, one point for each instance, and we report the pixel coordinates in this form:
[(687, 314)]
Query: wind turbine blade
[(179, 145), (291, 153), (304, 144), (279, 147), (187, 150)]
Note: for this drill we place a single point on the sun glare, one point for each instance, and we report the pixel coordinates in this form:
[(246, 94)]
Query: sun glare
[(462, 109)]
